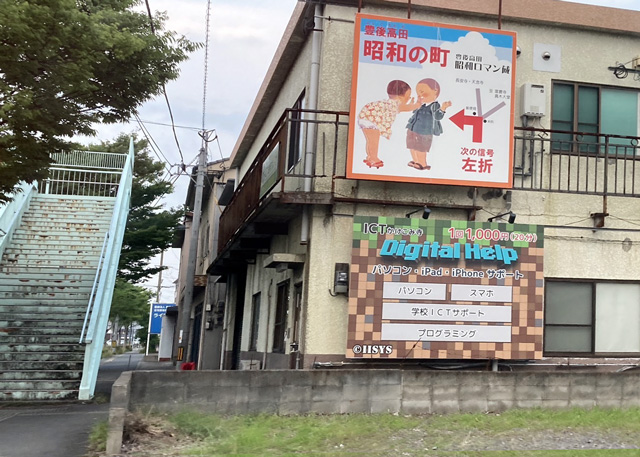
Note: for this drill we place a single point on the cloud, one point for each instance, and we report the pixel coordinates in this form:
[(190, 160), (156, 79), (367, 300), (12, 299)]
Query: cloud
[(474, 44)]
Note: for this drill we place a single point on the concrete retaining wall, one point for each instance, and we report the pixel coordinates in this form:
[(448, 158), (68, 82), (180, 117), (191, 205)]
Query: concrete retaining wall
[(378, 391), (362, 391)]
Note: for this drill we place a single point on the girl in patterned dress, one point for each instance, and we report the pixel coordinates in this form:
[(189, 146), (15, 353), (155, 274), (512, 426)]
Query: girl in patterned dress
[(376, 118)]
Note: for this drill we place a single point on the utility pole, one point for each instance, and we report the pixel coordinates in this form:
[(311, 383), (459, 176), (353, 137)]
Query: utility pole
[(187, 298), (158, 291)]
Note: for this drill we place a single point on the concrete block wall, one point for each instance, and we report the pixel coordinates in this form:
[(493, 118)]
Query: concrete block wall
[(361, 391), (377, 391)]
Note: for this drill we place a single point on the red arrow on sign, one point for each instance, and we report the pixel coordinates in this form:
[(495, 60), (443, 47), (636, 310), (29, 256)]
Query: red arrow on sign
[(461, 119)]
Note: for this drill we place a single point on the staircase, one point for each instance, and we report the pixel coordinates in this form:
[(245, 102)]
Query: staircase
[(46, 278), (60, 243)]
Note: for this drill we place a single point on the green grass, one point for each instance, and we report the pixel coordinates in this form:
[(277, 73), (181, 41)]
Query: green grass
[(271, 435), (392, 435), (98, 438)]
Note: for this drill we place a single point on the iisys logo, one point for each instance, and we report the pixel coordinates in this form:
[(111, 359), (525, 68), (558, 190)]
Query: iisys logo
[(372, 349)]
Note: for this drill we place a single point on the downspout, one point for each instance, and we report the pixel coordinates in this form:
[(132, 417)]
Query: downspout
[(266, 337), (309, 160)]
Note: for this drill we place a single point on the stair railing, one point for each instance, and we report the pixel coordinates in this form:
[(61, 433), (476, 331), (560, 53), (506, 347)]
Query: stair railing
[(11, 213), (98, 308), (92, 296)]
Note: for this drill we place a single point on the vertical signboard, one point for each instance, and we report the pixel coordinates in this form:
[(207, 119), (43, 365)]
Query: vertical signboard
[(155, 319), (439, 289), (431, 103)]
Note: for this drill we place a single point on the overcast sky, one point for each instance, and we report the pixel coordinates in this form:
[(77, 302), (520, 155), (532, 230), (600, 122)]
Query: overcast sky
[(244, 35)]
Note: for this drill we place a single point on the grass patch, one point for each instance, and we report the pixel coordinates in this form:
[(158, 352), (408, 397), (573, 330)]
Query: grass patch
[(98, 438), (532, 432), (271, 435)]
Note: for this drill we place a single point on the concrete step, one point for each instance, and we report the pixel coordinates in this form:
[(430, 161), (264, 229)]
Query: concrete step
[(26, 331), (41, 206), (53, 305), (62, 228), (57, 296), (43, 287), (39, 374), (15, 250), (51, 309), (28, 261), (41, 365), (88, 215), (45, 322), (67, 238), (40, 339), (45, 271), (7, 282), (62, 225), (32, 347), (34, 395), (47, 385), (24, 315), (42, 357), (72, 276)]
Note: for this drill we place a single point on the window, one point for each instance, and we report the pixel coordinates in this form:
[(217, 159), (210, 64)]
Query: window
[(295, 133), (593, 111), (255, 322), (280, 325), (592, 317)]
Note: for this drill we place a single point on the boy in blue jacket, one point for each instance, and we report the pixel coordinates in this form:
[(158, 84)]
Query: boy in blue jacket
[(425, 122)]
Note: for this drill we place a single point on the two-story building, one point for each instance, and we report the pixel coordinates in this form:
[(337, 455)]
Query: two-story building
[(437, 181)]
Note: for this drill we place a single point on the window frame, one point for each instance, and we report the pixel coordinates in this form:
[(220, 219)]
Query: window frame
[(295, 134), (594, 322), (593, 318), (575, 132)]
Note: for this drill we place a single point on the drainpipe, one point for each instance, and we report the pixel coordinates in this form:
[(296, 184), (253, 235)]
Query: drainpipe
[(311, 125)]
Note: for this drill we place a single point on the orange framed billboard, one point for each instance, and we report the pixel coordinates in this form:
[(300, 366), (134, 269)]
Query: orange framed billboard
[(431, 103)]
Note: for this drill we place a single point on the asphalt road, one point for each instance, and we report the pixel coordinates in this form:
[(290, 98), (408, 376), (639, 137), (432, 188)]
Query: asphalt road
[(59, 430)]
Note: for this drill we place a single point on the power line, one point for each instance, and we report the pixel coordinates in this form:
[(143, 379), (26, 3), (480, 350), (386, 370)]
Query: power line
[(169, 125), (153, 145), (164, 89)]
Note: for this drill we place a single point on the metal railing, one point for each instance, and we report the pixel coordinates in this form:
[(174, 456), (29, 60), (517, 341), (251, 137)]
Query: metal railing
[(84, 173), (11, 213), (279, 165), (100, 302), (93, 160), (544, 160), (574, 162)]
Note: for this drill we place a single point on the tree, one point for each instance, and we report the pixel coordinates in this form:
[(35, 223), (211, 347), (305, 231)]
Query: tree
[(129, 305), (149, 229), (68, 64)]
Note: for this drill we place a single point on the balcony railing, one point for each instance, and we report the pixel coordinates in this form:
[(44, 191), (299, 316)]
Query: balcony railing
[(281, 163), (580, 163), (544, 160)]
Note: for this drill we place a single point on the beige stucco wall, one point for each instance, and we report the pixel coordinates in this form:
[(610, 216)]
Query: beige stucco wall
[(292, 87)]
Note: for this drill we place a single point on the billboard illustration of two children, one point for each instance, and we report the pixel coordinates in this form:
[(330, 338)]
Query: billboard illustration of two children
[(431, 103)]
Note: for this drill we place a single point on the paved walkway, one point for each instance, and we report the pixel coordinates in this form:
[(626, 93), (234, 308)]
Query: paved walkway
[(62, 430)]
